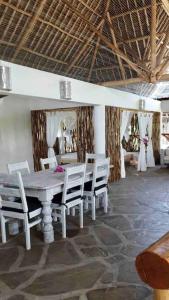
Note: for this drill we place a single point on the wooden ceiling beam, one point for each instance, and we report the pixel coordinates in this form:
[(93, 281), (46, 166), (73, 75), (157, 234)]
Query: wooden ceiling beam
[(135, 10), (153, 34), (79, 53), (98, 40), (41, 20), (163, 69), (106, 41), (42, 55), (135, 39), (163, 48), (165, 5), (115, 44), (90, 8), (29, 28)]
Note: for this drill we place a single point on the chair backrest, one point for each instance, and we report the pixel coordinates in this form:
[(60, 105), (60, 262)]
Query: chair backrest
[(51, 161), (22, 167), (93, 156), (8, 194), (100, 172), (74, 182)]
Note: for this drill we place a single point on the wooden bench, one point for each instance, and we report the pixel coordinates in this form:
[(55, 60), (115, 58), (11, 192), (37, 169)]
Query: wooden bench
[(153, 267)]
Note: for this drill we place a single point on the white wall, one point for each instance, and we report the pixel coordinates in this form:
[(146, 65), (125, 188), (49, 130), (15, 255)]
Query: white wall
[(15, 127), (165, 106), (33, 89), (36, 83)]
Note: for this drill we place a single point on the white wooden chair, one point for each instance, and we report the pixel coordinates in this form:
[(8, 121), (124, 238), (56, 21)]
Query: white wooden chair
[(22, 167), (72, 195), (98, 185), (19, 209), (51, 161), (93, 156)]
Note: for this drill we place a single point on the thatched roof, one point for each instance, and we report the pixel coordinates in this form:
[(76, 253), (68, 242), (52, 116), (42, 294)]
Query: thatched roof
[(101, 41)]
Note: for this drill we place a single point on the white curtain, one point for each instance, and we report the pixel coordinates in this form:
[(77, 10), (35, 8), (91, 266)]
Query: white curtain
[(52, 128), (125, 116), (150, 153), (143, 122), (126, 134)]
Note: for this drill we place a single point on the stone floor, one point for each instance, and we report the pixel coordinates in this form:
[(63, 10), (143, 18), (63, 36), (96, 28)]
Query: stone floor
[(96, 263)]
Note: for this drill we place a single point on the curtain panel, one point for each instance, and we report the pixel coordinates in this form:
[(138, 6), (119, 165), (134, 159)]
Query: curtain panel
[(85, 132), (125, 119), (112, 128), (150, 154), (143, 123), (156, 137)]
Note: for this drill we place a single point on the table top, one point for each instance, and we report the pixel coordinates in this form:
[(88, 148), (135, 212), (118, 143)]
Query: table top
[(41, 180)]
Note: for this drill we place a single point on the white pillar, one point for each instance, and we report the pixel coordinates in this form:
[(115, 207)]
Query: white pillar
[(99, 129)]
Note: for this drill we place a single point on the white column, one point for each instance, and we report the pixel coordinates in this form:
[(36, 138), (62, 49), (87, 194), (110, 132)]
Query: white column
[(99, 128)]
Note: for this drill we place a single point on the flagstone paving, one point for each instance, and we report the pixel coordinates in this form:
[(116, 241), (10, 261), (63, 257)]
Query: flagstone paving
[(96, 263)]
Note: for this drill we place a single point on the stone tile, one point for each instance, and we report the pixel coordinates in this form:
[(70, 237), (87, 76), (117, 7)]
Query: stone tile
[(107, 278), (61, 252), (94, 252), (107, 236), (85, 241), (117, 222), (144, 237), (7, 258), (55, 283), (118, 258), (32, 257), (127, 273), (119, 293), (17, 297), (14, 279), (131, 250)]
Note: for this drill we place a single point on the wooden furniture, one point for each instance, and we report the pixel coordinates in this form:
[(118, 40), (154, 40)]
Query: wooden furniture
[(98, 185), (153, 267), (22, 167), (18, 209), (50, 161), (72, 195), (43, 185), (94, 156)]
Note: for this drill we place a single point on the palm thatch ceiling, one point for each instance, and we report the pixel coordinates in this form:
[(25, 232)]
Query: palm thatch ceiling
[(110, 42)]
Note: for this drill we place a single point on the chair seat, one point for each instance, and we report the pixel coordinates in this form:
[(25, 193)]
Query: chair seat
[(57, 199), (32, 202)]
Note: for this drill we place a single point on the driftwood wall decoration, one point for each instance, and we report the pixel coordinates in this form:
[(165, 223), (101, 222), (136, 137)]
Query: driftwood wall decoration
[(40, 148), (85, 132), (113, 140), (156, 136)]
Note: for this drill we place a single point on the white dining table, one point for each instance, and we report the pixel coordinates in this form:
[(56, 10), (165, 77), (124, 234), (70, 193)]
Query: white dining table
[(43, 185)]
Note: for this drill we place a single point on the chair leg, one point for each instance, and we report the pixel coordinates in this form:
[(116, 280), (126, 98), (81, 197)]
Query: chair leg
[(73, 213), (105, 202), (3, 229), (81, 214), (86, 203), (63, 213), (27, 233), (93, 208)]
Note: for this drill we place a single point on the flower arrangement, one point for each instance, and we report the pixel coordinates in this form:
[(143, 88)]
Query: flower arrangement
[(144, 140)]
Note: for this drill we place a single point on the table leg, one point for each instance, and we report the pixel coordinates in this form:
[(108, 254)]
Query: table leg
[(47, 226)]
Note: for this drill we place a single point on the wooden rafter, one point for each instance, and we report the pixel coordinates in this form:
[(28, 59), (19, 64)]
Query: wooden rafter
[(163, 69), (163, 48), (153, 33), (165, 4), (105, 40), (133, 11), (42, 55), (98, 40), (130, 40), (29, 28), (79, 53), (115, 44)]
